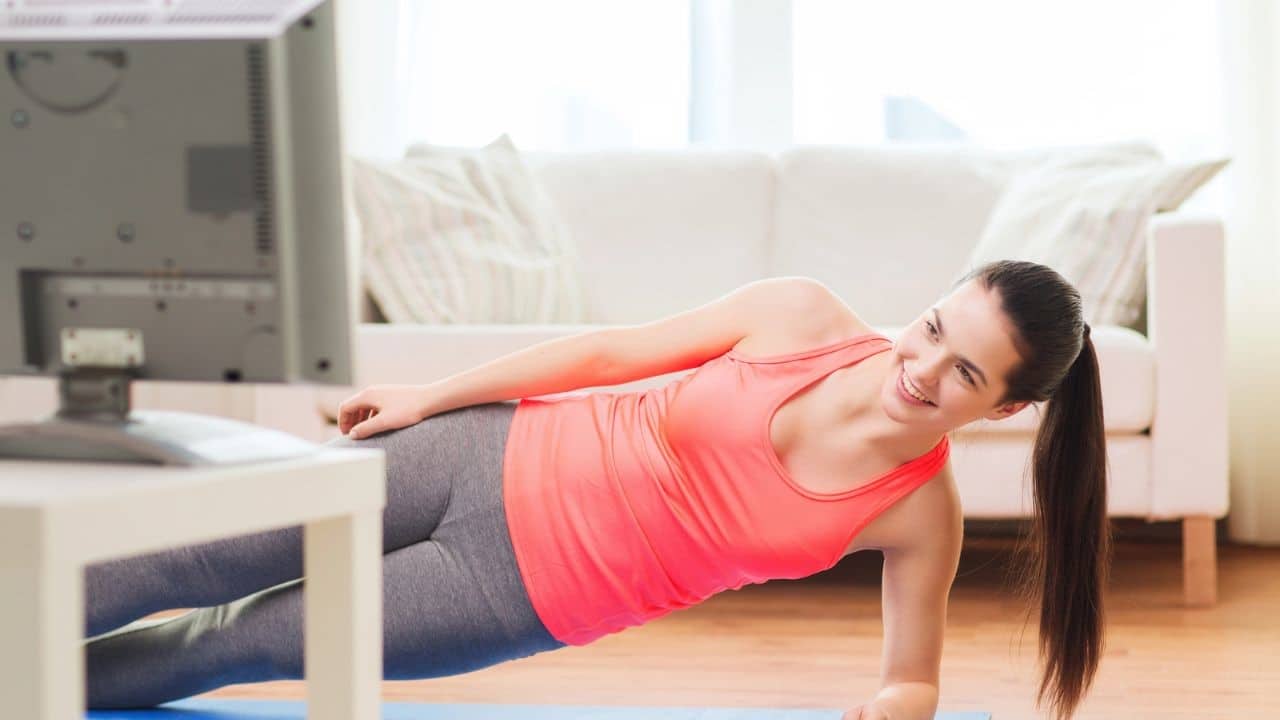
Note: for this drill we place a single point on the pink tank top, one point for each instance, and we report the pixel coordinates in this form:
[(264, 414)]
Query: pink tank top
[(624, 506)]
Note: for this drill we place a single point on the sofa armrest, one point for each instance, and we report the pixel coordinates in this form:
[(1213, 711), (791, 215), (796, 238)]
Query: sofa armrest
[(1186, 325)]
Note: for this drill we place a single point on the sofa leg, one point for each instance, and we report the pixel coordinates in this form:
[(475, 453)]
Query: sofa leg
[(1199, 562)]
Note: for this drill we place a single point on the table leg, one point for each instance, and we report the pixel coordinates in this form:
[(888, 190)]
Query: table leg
[(343, 609), (41, 622)]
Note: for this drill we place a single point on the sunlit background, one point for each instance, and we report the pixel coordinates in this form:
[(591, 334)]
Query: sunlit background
[(575, 74), (559, 75)]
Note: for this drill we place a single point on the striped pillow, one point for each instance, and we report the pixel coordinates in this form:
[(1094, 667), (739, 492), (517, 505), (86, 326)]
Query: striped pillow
[(1087, 218), (464, 236)]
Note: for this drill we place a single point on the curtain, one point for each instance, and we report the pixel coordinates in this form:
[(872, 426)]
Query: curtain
[(370, 77), (1251, 77)]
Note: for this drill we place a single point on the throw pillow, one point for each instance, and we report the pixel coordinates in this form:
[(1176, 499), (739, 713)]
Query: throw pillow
[(1086, 217), (464, 236)]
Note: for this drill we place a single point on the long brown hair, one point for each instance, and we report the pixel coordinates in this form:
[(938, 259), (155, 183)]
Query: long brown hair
[(1067, 557)]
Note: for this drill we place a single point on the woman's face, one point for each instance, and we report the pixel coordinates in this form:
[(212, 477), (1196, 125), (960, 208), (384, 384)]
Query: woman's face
[(957, 354)]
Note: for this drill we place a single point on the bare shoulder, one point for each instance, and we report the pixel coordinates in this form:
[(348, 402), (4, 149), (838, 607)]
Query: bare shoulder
[(807, 313), (825, 309)]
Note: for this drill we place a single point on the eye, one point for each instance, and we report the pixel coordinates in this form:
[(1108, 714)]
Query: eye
[(963, 370)]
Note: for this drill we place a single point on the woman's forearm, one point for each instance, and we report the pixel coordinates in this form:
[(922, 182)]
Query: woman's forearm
[(552, 366)]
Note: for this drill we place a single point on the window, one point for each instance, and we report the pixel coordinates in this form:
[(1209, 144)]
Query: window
[(1008, 73), (554, 74)]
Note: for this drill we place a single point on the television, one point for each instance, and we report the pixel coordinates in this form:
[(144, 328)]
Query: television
[(171, 208)]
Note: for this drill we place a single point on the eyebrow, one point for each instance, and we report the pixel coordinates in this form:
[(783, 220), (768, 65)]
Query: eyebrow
[(964, 360)]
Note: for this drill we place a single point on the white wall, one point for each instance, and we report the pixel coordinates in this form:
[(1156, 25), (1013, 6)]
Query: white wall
[(1251, 30)]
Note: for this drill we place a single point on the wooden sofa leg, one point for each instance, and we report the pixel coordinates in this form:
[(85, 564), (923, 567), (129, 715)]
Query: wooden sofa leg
[(1199, 562)]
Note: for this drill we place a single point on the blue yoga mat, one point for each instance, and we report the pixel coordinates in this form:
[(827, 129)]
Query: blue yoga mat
[(197, 709)]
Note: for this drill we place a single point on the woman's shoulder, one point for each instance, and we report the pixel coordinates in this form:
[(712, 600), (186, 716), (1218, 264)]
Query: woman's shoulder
[(831, 319), (831, 308), (825, 319)]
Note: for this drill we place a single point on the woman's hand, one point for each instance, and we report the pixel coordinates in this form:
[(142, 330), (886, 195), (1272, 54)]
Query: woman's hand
[(869, 711), (379, 408)]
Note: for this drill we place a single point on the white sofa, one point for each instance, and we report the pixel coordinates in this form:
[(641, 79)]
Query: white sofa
[(888, 228)]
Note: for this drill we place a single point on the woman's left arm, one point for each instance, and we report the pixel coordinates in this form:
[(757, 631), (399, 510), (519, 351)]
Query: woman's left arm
[(914, 587)]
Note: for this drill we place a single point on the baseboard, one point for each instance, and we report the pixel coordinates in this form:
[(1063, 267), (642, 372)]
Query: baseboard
[(1122, 528)]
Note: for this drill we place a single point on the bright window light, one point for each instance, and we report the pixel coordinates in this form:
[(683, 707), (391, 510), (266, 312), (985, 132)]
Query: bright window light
[(554, 74), (1009, 73)]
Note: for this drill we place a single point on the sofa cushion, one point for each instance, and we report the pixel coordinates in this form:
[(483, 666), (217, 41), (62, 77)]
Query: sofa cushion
[(886, 228), (889, 228), (993, 475), (659, 232), (463, 236), (1087, 217)]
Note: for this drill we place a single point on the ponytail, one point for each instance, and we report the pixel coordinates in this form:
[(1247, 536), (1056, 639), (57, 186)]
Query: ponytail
[(1069, 547), (1067, 557)]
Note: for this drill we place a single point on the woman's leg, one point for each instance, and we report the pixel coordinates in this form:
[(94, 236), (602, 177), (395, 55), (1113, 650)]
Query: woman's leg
[(452, 604), (423, 462)]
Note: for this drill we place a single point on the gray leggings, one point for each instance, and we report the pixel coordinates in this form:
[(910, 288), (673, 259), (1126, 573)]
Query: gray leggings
[(453, 600)]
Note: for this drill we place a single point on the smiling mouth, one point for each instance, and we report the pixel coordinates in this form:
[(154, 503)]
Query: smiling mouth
[(903, 389)]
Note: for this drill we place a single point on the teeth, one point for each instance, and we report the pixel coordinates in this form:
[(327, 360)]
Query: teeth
[(906, 382)]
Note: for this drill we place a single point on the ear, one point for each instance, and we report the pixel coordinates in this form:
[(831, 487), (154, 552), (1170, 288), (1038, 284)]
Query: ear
[(1007, 410)]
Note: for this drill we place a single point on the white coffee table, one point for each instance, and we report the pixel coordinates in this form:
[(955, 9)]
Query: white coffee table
[(56, 517)]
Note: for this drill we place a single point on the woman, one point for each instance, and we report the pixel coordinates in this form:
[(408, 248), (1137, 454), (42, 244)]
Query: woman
[(802, 436)]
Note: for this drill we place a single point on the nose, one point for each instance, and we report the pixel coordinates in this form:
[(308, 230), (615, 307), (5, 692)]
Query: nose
[(928, 370)]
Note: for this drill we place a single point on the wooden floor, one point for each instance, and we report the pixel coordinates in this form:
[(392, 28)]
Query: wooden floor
[(816, 643)]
